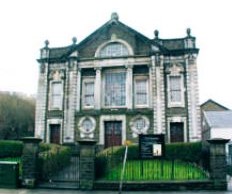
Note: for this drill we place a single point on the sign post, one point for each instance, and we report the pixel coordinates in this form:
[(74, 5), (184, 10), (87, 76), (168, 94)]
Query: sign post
[(123, 166)]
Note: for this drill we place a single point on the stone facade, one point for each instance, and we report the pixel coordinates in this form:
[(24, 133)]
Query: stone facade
[(117, 84)]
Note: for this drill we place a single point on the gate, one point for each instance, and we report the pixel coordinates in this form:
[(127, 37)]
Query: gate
[(65, 178)]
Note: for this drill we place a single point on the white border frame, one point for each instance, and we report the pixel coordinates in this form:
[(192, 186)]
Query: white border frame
[(144, 130), (119, 70), (177, 119), (50, 94), (104, 118), (55, 122), (87, 80), (141, 77), (80, 124), (182, 102), (129, 48)]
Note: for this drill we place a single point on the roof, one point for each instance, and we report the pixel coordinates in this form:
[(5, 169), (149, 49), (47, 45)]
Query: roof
[(211, 105), (166, 46), (219, 119)]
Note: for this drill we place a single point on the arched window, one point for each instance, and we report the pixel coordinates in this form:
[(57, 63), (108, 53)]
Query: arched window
[(114, 49)]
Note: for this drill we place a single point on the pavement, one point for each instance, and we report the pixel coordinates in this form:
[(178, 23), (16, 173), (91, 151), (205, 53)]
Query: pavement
[(51, 191), (62, 191)]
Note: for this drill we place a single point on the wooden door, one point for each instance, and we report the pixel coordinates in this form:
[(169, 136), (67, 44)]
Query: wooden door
[(176, 132), (113, 133), (55, 133)]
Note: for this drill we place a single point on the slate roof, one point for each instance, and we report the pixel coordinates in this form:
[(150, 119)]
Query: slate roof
[(219, 119), (211, 105)]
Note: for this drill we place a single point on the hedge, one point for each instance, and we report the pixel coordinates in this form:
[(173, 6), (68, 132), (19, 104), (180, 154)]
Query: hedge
[(52, 157), (10, 148)]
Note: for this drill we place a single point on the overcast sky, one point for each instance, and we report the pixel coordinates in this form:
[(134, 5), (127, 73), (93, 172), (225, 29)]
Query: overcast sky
[(26, 24)]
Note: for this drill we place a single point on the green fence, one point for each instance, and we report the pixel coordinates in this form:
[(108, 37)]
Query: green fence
[(148, 170)]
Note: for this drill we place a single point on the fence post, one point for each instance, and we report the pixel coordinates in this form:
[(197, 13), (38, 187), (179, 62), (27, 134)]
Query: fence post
[(29, 161), (87, 164), (218, 162)]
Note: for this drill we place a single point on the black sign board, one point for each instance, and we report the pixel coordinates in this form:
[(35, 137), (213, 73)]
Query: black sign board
[(151, 146)]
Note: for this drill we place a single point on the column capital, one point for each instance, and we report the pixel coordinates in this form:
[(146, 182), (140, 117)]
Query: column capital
[(129, 67), (97, 68)]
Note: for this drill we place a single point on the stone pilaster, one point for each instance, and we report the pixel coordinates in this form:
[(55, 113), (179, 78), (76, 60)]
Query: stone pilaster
[(30, 161), (78, 90), (158, 94), (193, 99), (70, 107), (41, 102), (87, 164), (129, 84), (97, 88)]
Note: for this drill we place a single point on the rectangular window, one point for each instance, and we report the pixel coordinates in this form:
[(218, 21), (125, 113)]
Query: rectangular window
[(175, 90), (56, 95), (115, 89), (88, 93), (141, 91)]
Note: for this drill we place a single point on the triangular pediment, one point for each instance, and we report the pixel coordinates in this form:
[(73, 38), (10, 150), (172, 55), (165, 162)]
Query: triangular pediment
[(114, 30)]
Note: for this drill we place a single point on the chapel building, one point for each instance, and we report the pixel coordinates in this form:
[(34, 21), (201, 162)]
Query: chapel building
[(117, 84)]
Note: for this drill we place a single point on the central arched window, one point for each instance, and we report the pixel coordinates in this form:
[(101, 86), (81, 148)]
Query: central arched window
[(114, 49)]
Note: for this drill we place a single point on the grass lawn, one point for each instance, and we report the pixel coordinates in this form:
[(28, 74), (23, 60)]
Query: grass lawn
[(148, 170)]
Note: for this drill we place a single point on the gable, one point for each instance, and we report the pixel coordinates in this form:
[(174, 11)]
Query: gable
[(114, 31), (211, 105)]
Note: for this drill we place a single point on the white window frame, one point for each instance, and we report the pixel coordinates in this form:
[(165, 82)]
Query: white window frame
[(121, 50), (136, 78), (102, 46), (51, 107), (181, 103), (104, 92), (84, 81)]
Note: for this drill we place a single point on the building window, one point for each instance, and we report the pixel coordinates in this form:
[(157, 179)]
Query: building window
[(175, 93), (115, 89), (141, 91), (56, 95), (88, 93), (114, 49)]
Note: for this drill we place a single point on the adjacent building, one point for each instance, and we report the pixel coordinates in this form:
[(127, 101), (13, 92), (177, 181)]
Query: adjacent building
[(117, 84)]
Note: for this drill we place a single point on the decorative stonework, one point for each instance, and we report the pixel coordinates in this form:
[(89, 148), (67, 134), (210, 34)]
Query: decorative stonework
[(87, 126), (57, 75), (175, 68), (139, 125)]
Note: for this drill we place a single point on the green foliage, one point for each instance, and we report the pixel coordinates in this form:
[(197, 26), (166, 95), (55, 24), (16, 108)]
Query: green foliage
[(10, 148), (191, 152), (148, 170), (186, 152), (16, 116), (53, 157)]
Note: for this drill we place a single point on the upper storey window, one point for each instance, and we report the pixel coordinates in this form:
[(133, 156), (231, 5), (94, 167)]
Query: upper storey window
[(176, 90), (114, 49), (56, 95)]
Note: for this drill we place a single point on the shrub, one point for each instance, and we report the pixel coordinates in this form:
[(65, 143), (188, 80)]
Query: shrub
[(10, 148), (190, 152), (53, 157)]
